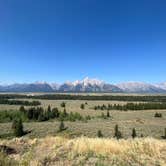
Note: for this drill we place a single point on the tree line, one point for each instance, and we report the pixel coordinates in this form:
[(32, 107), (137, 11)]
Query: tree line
[(131, 106), (143, 98), (40, 114), (19, 102)]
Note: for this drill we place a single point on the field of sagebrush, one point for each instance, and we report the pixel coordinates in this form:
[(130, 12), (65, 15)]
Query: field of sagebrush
[(78, 143), (142, 120), (60, 151)]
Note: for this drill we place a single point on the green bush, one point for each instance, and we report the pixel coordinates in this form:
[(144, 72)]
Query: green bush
[(158, 115)]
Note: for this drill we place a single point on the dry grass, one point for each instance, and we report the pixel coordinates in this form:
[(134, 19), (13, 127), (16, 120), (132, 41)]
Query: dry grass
[(88, 151)]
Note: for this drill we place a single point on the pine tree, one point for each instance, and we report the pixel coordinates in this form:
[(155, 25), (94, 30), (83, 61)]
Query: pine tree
[(61, 126), (99, 134), (22, 109), (17, 126), (82, 106), (108, 114), (64, 113), (63, 104), (165, 133), (117, 134), (14, 124), (134, 134)]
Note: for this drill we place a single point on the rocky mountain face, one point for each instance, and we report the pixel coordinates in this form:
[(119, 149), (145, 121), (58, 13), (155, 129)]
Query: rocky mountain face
[(140, 87), (86, 85)]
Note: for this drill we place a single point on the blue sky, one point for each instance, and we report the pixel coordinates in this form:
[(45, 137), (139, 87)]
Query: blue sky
[(59, 40)]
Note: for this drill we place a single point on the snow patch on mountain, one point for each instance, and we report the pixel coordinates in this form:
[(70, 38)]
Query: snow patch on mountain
[(139, 87), (87, 81), (161, 85)]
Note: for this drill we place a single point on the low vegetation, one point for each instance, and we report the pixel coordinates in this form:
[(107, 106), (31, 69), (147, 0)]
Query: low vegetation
[(17, 127), (84, 151), (158, 115), (137, 98), (40, 114), (131, 106), (76, 134), (19, 102)]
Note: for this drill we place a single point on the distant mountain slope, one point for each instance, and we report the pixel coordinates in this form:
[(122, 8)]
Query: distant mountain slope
[(86, 85), (34, 87), (139, 87), (161, 85)]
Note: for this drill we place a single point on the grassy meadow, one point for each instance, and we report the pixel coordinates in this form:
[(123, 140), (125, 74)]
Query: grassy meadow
[(143, 120), (79, 145)]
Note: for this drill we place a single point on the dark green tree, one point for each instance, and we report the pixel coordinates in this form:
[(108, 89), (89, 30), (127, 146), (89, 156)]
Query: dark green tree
[(82, 106), (158, 115), (99, 134), (17, 127), (49, 108), (117, 134), (63, 104), (14, 124), (22, 109), (108, 114), (61, 126), (134, 134), (164, 137), (64, 113)]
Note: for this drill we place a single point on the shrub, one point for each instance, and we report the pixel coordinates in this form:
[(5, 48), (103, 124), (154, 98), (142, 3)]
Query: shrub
[(88, 117), (103, 116), (6, 161), (99, 134), (158, 115)]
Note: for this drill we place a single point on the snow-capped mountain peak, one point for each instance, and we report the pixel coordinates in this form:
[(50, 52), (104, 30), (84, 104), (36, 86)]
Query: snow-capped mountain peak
[(139, 87), (87, 81), (40, 82), (161, 85), (85, 85)]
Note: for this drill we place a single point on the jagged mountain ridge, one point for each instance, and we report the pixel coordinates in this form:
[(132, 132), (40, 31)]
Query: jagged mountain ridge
[(86, 85), (140, 87)]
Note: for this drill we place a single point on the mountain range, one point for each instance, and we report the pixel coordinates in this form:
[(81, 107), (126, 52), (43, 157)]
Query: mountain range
[(86, 85)]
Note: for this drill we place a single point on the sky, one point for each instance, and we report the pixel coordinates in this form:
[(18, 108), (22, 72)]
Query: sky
[(60, 40)]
